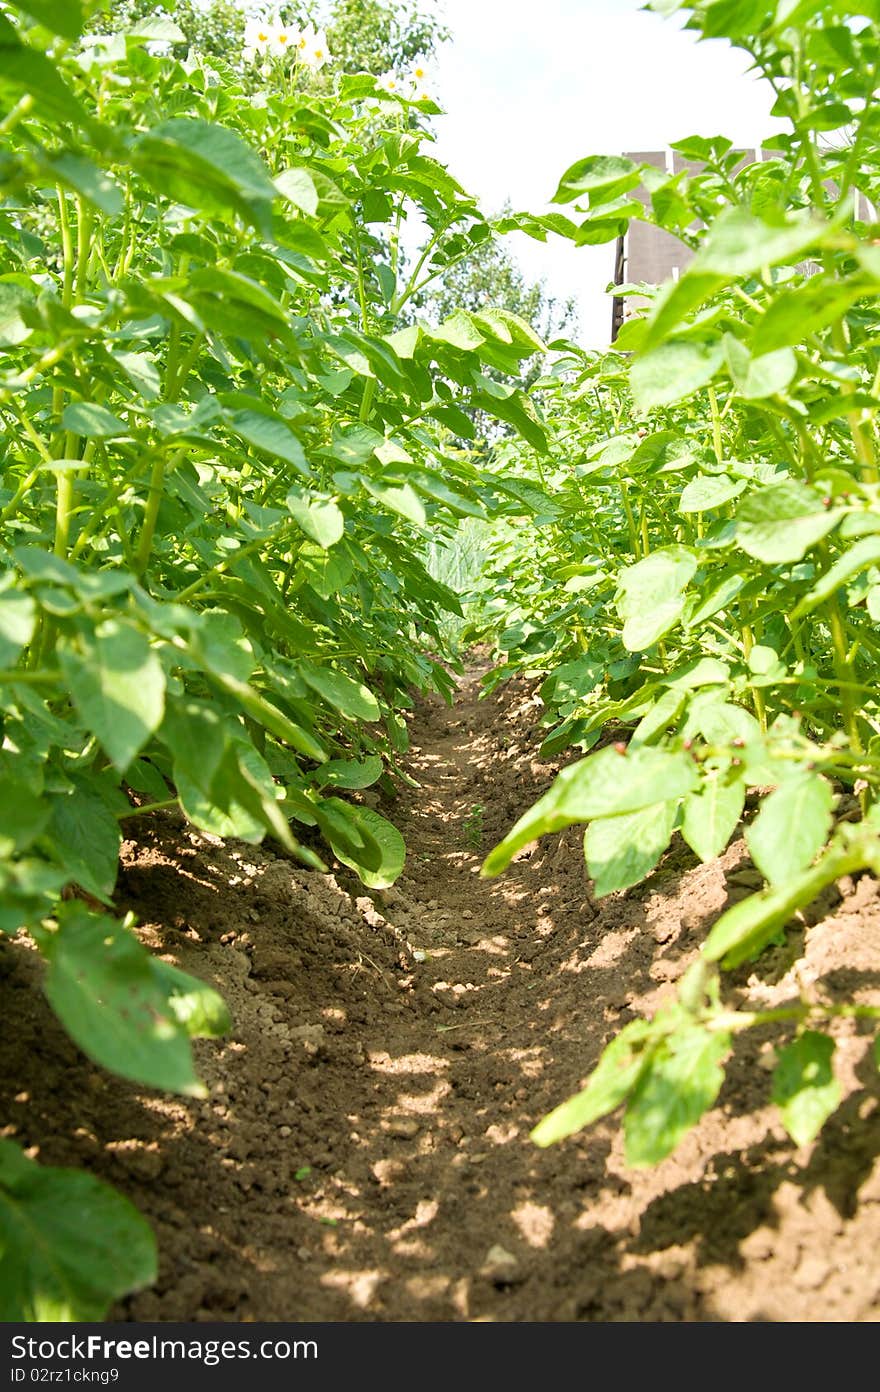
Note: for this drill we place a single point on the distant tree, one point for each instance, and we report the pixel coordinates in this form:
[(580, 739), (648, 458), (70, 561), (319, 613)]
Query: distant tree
[(217, 29), (373, 36), (378, 36)]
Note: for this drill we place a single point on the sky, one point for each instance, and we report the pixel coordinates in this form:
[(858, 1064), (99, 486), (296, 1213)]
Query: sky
[(528, 88)]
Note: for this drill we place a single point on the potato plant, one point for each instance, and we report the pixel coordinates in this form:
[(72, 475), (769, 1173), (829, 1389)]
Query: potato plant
[(225, 442), (708, 579)]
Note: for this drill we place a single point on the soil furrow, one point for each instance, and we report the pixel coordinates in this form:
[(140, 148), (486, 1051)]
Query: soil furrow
[(364, 1152)]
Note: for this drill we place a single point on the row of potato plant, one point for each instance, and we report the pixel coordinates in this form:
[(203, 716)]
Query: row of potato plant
[(225, 440), (707, 585)]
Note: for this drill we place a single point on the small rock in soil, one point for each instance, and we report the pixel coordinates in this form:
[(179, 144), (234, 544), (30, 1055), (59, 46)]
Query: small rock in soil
[(142, 1164), (405, 1127), (501, 1267), (746, 879), (309, 1034)]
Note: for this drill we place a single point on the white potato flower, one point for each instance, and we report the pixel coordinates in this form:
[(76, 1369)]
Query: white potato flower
[(390, 81), (312, 48), (284, 38), (418, 84), (257, 37)]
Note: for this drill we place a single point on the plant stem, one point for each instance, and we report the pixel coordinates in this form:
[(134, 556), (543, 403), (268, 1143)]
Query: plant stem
[(147, 807), (717, 440), (34, 677)]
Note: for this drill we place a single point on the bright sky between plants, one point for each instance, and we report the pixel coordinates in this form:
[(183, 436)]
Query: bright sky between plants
[(525, 90)]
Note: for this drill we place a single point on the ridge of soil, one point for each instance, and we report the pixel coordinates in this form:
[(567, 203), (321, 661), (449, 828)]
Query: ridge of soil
[(364, 1152)]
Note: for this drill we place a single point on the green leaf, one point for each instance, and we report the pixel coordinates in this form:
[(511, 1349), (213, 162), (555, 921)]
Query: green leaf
[(256, 705), (718, 598), (459, 330), (205, 166), (605, 784), (709, 491), (198, 1009), (23, 815), (320, 518), (70, 1245), (779, 524), (704, 671), (791, 827), (616, 1073), (765, 666), (217, 810), (712, 814), (298, 187), (18, 615), (352, 699), (739, 244), (156, 28), (86, 178), (391, 847), (64, 17), (144, 777), (768, 375), (93, 421), (622, 851), (400, 498), (347, 773), (350, 840), (721, 722), (651, 595), (795, 314), (804, 1086), (746, 928), (118, 687), (13, 328), (270, 434), (195, 735), (860, 555), (33, 74), (86, 840), (115, 1002), (663, 714), (142, 373), (682, 1080), (673, 371), (593, 173), (573, 681)]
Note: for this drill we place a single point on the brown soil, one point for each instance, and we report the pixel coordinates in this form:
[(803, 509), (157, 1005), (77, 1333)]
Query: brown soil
[(365, 1144)]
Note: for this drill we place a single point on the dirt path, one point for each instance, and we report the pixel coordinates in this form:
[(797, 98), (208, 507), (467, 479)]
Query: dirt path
[(364, 1152)]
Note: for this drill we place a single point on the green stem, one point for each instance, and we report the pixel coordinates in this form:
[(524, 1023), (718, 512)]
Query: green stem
[(176, 386), (64, 501), (737, 1020), (38, 677), (67, 250), (151, 511), (630, 519), (748, 641), (147, 807), (83, 248), (842, 672), (22, 108), (717, 440), (367, 400)]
